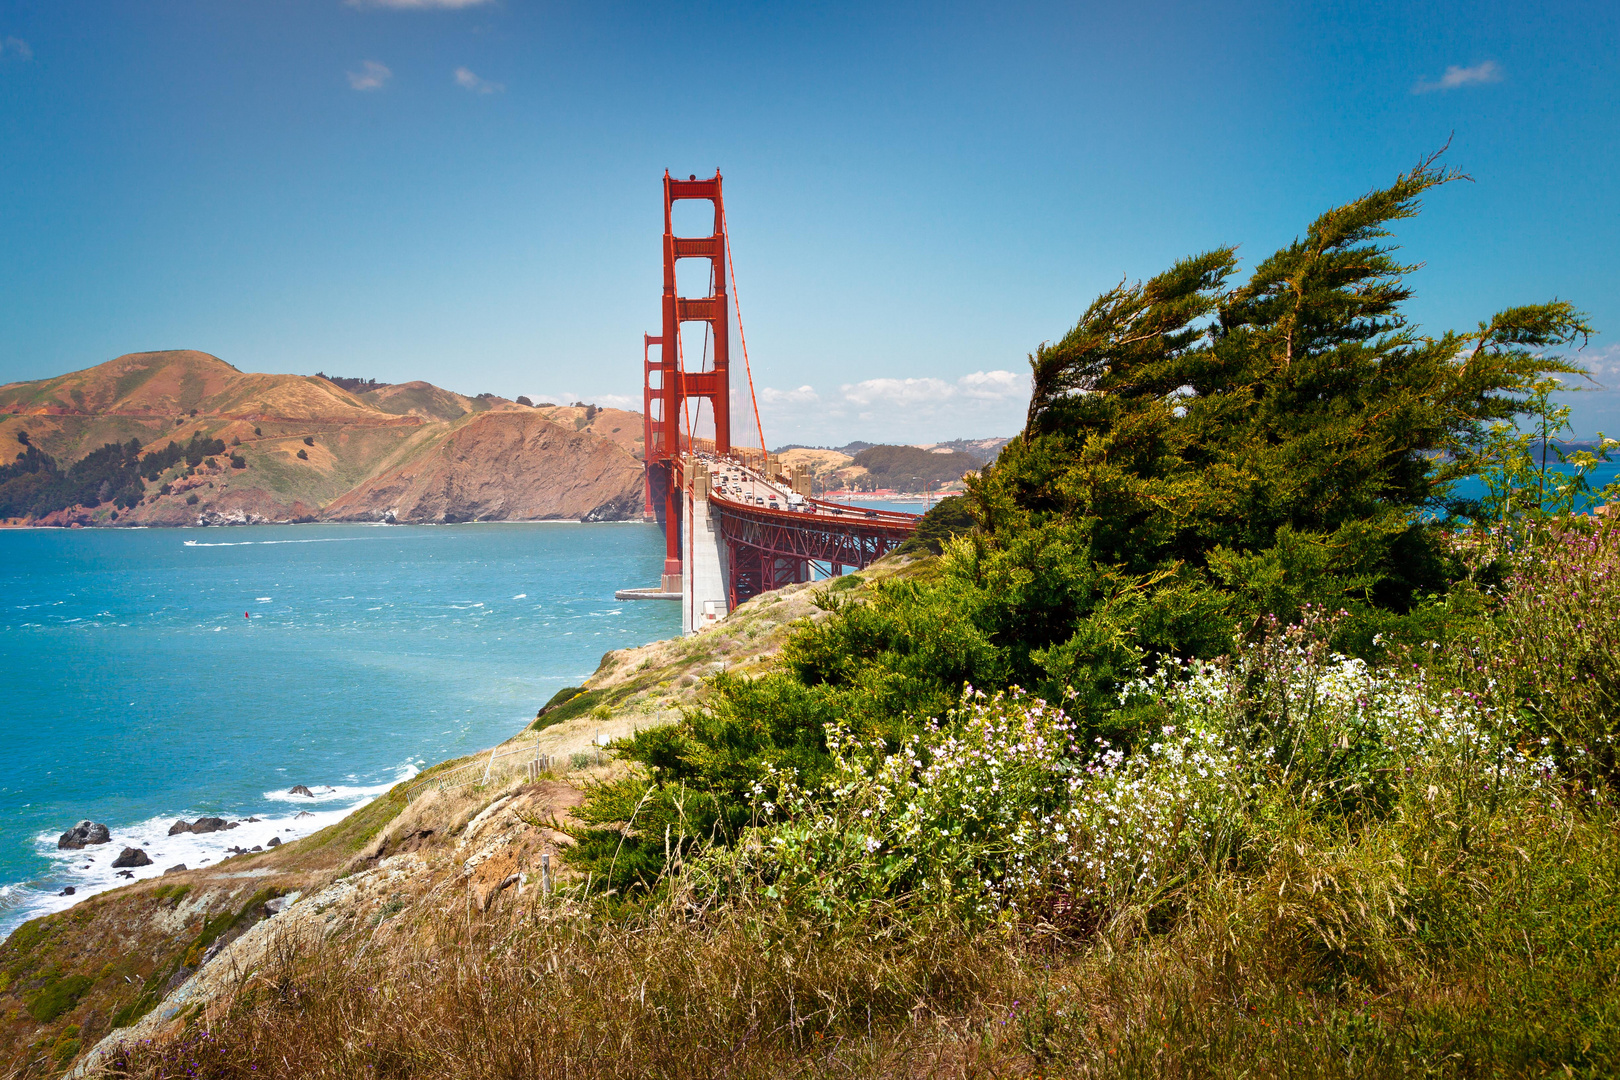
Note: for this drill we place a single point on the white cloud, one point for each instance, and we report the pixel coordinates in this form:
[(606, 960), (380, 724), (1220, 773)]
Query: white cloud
[(771, 397), (371, 76), (415, 5), (615, 401), (467, 80), (995, 385), (900, 393), (1594, 406), (1602, 364), (1486, 71), (895, 410), (16, 47)]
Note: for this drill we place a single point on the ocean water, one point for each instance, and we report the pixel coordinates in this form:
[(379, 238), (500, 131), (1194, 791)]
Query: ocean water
[(153, 674), (1601, 475)]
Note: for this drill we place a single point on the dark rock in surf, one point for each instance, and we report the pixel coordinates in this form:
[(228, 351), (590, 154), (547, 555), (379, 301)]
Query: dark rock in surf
[(133, 856), (300, 789), (201, 825), (82, 834), (275, 841), (175, 869), (68, 891)]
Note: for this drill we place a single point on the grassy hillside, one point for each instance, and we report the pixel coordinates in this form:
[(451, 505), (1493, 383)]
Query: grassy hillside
[(295, 445)]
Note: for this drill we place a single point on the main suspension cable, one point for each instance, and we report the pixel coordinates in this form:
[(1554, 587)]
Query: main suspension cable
[(725, 232)]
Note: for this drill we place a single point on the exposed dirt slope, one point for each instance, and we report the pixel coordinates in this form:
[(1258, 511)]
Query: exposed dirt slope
[(406, 452), (502, 466)]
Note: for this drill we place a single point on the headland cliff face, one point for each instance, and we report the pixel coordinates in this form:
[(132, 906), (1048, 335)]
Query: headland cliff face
[(303, 448)]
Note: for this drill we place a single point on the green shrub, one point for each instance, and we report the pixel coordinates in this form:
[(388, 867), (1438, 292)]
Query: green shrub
[(1559, 643), (57, 996), (566, 704)]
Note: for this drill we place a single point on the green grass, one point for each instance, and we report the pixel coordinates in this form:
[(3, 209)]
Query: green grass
[(57, 996)]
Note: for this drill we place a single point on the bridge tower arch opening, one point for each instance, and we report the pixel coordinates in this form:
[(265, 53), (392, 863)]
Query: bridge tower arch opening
[(671, 389)]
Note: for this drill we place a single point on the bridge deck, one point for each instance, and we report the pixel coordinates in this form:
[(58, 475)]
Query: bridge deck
[(772, 536)]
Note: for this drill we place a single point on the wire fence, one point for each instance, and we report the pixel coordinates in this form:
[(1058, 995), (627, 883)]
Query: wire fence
[(504, 764)]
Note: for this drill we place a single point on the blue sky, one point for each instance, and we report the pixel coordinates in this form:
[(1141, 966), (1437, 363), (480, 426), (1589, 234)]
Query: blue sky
[(467, 191)]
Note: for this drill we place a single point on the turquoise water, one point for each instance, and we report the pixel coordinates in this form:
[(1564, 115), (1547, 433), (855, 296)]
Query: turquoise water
[(134, 691), (1599, 477)]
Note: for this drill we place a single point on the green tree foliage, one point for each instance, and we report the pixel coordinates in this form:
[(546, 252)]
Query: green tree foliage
[(910, 468), (1201, 458), (34, 485), (951, 516), (156, 463), (1241, 452), (1521, 485)]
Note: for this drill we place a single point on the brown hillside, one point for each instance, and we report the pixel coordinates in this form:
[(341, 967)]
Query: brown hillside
[(423, 399), (615, 425), (425, 453), (501, 466)]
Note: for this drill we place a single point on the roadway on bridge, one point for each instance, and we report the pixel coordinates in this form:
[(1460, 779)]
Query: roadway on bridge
[(739, 484)]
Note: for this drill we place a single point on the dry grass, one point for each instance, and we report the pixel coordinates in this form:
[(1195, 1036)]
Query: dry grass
[(1386, 954)]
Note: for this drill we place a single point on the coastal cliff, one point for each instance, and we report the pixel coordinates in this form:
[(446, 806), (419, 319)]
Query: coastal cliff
[(304, 448)]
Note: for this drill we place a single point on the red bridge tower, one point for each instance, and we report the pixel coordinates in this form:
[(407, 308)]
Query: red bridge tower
[(669, 388)]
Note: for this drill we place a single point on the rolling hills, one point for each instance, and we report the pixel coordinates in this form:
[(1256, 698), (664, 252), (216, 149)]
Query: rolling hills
[(302, 448)]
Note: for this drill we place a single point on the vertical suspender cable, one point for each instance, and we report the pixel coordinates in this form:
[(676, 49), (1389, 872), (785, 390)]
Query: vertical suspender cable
[(725, 231)]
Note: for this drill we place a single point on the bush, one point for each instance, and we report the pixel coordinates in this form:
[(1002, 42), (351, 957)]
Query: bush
[(191, 500), (950, 517), (57, 996), (309, 440), (1559, 641), (303, 455)]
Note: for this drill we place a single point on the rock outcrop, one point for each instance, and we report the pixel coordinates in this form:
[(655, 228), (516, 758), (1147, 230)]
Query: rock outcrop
[(84, 834), (201, 825), (132, 856)]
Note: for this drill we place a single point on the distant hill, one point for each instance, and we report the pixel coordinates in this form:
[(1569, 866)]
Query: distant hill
[(982, 451), (910, 468), (252, 447), (864, 466)]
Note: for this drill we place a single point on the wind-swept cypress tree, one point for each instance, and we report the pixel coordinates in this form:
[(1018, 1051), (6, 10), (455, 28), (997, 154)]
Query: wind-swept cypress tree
[(1244, 450)]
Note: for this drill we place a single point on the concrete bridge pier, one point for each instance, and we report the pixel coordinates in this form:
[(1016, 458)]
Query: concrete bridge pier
[(707, 571)]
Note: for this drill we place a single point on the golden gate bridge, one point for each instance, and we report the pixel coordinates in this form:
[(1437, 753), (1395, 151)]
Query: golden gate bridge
[(735, 522)]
